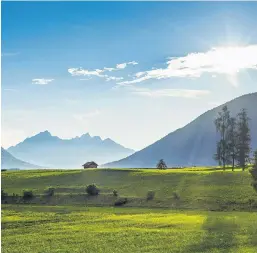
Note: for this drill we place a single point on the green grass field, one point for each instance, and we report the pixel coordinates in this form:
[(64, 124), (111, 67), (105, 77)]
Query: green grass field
[(69, 222), (197, 188), (34, 229)]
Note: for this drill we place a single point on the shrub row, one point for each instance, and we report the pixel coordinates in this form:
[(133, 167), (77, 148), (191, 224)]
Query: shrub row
[(92, 190)]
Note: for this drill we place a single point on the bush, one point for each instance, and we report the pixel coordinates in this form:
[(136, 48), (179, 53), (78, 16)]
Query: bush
[(3, 194), (27, 194), (50, 192), (176, 196), (115, 193), (121, 202), (92, 190), (150, 195)]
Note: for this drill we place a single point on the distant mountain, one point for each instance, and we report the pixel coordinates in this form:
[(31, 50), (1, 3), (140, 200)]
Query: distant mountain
[(193, 144), (10, 162), (54, 152)]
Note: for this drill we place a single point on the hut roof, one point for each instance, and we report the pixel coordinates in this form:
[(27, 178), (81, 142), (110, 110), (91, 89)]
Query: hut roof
[(89, 164)]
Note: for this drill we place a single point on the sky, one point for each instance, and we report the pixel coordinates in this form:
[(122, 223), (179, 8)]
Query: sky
[(129, 71)]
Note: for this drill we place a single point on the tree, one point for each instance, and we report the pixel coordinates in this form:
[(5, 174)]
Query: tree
[(254, 170), (243, 139), (3, 194), (255, 160), (161, 165), (222, 123), (217, 156), (232, 140), (27, 194), (92, 190), (150, 195)]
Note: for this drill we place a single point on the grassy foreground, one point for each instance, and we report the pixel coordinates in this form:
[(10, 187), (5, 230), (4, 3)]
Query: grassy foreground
[(34, 229), (66, 223)]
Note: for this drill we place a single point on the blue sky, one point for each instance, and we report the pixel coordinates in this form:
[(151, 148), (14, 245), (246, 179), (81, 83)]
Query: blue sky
[(130, 71)]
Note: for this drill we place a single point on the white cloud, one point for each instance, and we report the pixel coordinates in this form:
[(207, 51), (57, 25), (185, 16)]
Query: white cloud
[(85, 72), (99, 72), (41, 81), (223, 60), (133, 63), (138, 74), (124, 65), (183, 93), (109, 69), (121, 66), (113, 78)]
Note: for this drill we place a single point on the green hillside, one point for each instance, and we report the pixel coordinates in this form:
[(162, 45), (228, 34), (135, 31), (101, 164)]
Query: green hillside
[(191, 188)]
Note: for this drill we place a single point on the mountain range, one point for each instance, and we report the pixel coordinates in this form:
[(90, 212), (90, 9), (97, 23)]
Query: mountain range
[(8, 161), (193, 144), (54, 152)]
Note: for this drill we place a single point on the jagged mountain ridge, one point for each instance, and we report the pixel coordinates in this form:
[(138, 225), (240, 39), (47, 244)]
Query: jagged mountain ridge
[(52, 151)]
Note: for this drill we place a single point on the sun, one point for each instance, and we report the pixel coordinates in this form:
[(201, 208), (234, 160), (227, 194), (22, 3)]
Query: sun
[(230, 60)]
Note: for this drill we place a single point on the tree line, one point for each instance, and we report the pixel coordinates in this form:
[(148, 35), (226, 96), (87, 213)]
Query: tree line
[(233, 147)]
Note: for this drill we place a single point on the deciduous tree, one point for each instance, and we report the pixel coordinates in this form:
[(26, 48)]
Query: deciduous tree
[(222, 123), (243, 139)]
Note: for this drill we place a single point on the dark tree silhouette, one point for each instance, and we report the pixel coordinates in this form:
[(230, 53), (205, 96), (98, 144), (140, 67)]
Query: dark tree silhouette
[(243, 139), (161, 165), (222, 123)]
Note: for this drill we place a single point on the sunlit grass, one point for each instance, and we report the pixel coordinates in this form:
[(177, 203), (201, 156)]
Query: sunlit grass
[(79, 229)]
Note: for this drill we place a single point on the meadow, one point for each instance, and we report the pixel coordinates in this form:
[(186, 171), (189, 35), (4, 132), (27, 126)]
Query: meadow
[(213, 211), (194, 188), (38, 229)]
